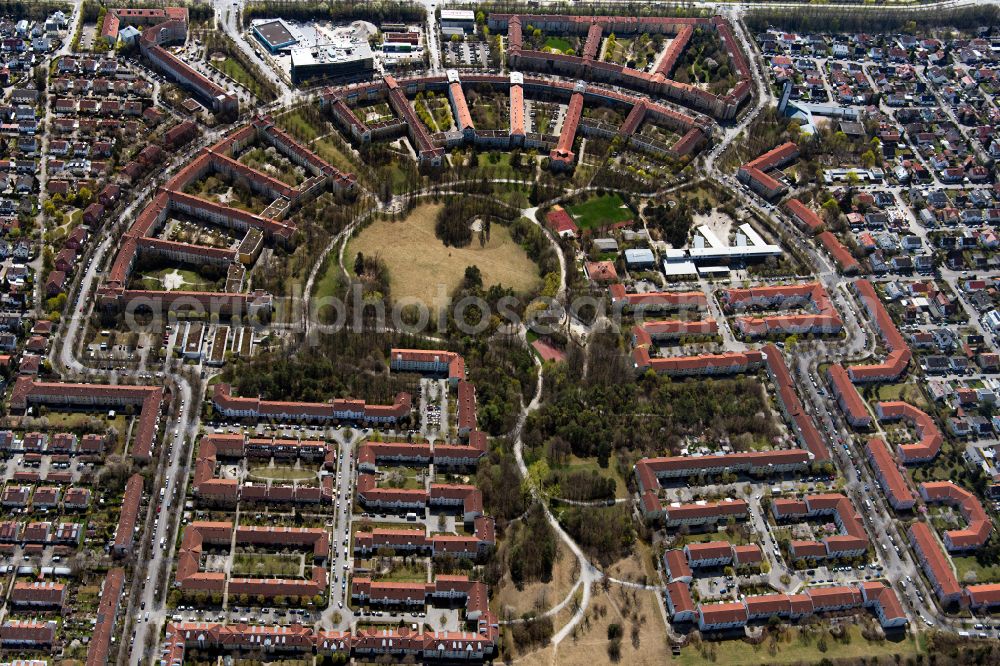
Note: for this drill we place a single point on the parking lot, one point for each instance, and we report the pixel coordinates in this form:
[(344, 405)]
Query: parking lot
[(466, 54)]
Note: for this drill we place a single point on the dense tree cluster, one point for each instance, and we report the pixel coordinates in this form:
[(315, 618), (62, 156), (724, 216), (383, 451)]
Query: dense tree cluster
[(580, 485), (586, 8), (504, 373), (351, 10), (705, 61), (605, 533), (948, 648), (607, 411), (497, 477), (811, 18), (536, 244), (372, 274), (454, 222), (673, 222), (528, 635), (532, 548), (343, 364)]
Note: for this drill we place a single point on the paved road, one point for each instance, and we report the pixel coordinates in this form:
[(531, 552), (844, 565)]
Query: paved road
[(228, 13)]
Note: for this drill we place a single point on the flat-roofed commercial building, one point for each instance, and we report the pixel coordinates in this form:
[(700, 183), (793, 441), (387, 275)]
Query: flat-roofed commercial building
[(457, 21), (347, 58), (274, 34)]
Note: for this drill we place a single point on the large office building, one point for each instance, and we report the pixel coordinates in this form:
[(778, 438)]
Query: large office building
[(346, 57)]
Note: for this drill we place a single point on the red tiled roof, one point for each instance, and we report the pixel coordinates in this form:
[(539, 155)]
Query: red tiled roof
[(756, 169), (706, 509), (38, 593), (709, 550), (935, 563), (849, 398), (845, 260), (27, 390), (977, 532), (805, 215), (680, 597), (765, 605), (892, 479), (834, 597), (648, 468), (665, 299), (930, 435), (125, 533), (899, 352), (884, 596), (560, 221), (984, 595), (676, 564), (725, 613), (807, 548), (805, 425), (747, 554), (601, 271)]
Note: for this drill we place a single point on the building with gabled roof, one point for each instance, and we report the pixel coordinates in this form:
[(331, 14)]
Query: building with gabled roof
[(680, 606), (850, 401), (930, 435), (131, 501), (675, 565), (846, 262), (883, 600), (755, 172), (709, 553), (852, 540), (803, 424), (436, 362), (149, 399), (650, 471), (979, 526), (935, 564), (39, 594), (804, 215), (889, 476), (899, 354)]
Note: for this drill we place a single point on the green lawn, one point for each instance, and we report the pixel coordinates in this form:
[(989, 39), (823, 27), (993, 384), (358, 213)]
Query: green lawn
[(591, 464), (599, 212), (907, 392), (557, 43), (76, 420), (795, 650), (280, 473), (405, 478), (328, 283), (704, 537), (170, 279), (330, 152), (258, 159), (266, 565), (502, 165), (298, 126), (411, 573), (234, 70), (542, 121), (964, 565)]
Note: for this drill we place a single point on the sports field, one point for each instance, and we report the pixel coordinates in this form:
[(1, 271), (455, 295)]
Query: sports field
[(600, 212), (420, 264)]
